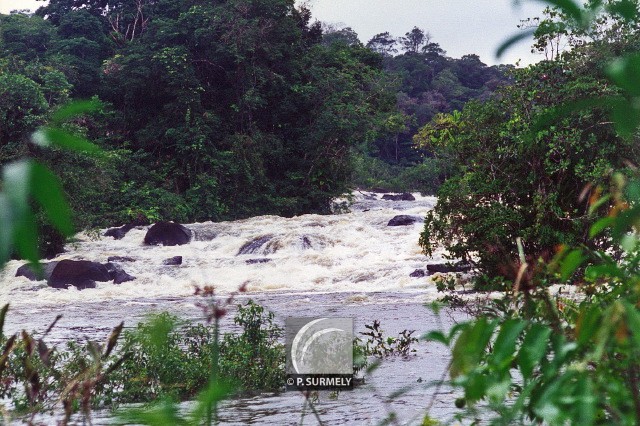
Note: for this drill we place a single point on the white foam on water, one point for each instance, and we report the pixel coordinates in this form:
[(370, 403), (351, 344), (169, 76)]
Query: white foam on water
[(354, 252)]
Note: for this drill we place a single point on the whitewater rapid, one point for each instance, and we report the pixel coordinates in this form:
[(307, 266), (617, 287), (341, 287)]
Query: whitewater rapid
[(349, 252), (345, 265)]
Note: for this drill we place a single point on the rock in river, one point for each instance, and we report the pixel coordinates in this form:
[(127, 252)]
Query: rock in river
[(404, 220), (405, 196), (168, 234)]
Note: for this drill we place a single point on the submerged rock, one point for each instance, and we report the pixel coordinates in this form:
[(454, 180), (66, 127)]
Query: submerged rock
[(404, 220), (444, 268), (117, 274), (405, 196), (168, 234), (254, 261), (80, 273), (173, 261), (120, 259), (119, 233), (306, 242), (27, 271), (418, 273), (254, 245)]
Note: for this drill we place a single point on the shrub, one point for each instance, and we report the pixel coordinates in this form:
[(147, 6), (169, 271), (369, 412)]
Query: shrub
[(517, 181), (254, 359)]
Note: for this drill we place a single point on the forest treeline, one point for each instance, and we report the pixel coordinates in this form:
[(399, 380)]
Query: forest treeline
[(225, 109)]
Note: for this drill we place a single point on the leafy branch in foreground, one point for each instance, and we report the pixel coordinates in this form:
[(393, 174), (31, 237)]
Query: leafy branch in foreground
[(27, 179), (554, 360)]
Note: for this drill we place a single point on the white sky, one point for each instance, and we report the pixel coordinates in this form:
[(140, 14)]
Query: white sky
[(460, 26)]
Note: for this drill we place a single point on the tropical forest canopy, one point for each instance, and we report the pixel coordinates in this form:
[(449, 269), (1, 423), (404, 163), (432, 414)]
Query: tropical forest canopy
[(224, 109), (227, 109)]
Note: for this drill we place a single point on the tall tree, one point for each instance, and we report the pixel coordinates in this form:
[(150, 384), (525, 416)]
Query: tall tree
[(383, 43), (415, 40)]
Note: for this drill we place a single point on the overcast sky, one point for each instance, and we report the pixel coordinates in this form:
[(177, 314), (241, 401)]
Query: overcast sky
[(460, 26)]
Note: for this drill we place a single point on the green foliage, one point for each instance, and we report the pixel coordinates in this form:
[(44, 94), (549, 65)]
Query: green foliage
[(27, 180), (22, 108), (484, 208), (162, 359), (208, 111), (373, 173), (381, 346), (254, 359), (428, 82), (551, 360)]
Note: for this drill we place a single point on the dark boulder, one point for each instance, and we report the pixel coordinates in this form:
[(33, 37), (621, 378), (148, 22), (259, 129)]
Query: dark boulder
[(27, 271), (117, 274), (405, 196), (445, 268), (168, 234), (122, 277), (174, 261), (418, 273), (254, 261), (404, 220), (119, 233), (79, 273)]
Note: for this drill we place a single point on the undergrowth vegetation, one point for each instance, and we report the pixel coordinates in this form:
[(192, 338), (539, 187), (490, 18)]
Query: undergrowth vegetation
[(163, 358), (161, 362)]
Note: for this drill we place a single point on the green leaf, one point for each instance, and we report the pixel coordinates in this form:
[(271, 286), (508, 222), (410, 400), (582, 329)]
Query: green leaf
[(626, 119), (163, 413), (215, 391), (554, 114), (47, 190), (6, 229), (627, 9), (629, 242), (505, 344), (26, 240), (3, 315), (593, 272), (16, 178), (633, 190), (572, 9), (587, 322), (513, 40), (633, 321), (600, 226), (63, 139), (75, 108), (570, 263), (436, 336), (599, 202), (374, 366), (533, 348), (585, 407), (625, 72), (470, 347)]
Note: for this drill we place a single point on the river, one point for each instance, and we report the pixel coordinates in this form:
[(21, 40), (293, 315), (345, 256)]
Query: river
[(349, 264)]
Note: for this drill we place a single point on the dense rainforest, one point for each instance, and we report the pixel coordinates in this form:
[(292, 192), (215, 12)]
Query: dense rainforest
[(225, 109)]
